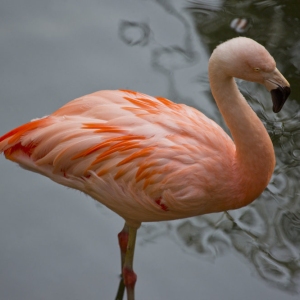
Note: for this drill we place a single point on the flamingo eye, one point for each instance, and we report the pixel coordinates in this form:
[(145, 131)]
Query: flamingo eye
[(256, 69)]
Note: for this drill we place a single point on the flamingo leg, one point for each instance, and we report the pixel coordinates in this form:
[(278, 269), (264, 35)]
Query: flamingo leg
[(121, 289), (128, 274), (123, 241)]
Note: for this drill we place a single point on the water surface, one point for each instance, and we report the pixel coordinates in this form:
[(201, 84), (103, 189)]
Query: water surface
[(57, 243)]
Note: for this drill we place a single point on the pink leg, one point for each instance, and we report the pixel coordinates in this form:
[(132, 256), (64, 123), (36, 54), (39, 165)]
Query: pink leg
[(127, 243), (123, 241), (128, 274)]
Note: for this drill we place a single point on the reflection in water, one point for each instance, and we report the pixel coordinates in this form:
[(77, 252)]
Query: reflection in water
[(165, 59), (134, 33), (204, 238), (240, 25), (267, 232), (271, 270), (291, 227)]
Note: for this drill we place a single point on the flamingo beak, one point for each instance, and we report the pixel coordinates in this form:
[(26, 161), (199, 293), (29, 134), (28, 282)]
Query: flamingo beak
[(279, 96), (279, 89)]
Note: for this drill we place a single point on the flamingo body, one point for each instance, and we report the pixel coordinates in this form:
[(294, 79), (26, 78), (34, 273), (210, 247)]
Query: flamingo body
[(132, 152)]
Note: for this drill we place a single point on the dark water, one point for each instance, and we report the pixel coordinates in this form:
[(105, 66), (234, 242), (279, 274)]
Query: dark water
[(59, 244)]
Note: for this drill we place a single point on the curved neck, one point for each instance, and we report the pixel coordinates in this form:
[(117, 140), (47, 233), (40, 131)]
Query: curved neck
[(254, 161)]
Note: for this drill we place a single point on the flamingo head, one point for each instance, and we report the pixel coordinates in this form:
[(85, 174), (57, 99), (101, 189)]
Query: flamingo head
[(244, 58)]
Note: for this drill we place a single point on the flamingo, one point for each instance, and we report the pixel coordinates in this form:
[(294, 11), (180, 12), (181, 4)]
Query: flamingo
[(149, 159)]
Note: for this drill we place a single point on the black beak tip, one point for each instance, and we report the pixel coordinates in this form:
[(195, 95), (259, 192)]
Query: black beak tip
[(279, 97)]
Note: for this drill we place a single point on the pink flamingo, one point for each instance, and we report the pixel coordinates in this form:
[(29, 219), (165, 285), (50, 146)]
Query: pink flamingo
[(149, 159)]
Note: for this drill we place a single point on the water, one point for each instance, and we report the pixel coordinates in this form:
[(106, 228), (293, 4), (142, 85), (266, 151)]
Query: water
[(59, 244)]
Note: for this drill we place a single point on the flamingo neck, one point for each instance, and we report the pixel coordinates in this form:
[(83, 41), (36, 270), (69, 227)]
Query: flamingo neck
[(254, 160)]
